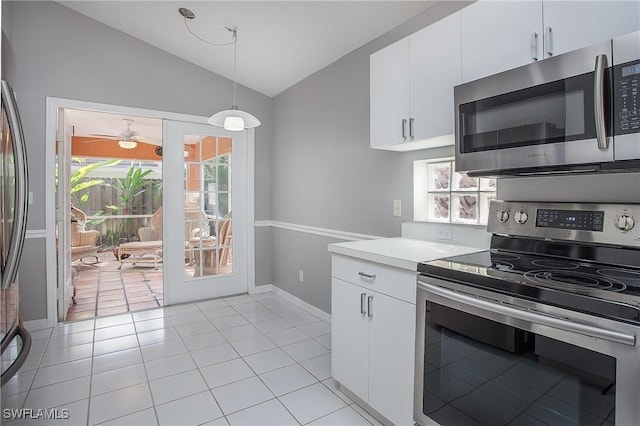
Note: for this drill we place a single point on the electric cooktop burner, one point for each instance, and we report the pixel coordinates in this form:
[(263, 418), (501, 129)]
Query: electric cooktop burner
[(604, 290), (546, 271)]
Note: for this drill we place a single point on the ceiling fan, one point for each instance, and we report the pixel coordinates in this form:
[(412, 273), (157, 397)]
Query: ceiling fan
[(127, 138)]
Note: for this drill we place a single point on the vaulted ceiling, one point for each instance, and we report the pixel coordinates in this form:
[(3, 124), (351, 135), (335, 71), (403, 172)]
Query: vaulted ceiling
[(279, 42)]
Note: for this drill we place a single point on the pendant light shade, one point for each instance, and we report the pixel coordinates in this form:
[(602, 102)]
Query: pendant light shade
[(234, 119)]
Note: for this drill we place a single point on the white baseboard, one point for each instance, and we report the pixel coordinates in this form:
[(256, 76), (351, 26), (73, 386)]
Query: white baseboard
[(302, 304), (264, 288)]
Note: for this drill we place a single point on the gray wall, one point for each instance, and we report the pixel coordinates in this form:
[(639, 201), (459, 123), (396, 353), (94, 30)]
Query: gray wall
[(325, 174), (50, 50)]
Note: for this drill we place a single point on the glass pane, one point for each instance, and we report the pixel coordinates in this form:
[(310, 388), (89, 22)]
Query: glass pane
[(223, 178), (192, 148), (462, 182), (209, 148), (210, 176), (465, 208), (211, 205), (439, 176), (439, 206), (485, 200), (223, 204), (210, 261), (487, 184)]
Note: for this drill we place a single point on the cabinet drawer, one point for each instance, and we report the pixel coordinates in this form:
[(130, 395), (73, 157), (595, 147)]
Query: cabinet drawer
[(394, 282)]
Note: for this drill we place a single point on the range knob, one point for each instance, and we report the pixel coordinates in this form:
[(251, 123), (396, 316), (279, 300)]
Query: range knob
[(521, 217), (624, 222), (502, 216)]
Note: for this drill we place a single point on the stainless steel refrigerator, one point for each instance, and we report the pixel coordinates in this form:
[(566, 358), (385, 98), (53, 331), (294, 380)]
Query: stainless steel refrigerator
[(16, 341)]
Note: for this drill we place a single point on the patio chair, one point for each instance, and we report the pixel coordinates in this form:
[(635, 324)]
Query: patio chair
[(83, 242), (193, 217), (153, 232)]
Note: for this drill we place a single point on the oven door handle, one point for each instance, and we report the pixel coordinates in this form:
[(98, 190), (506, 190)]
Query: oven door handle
[(530, 316)]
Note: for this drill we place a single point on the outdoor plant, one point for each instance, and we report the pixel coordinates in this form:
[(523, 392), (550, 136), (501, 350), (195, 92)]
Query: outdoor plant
[(78, 183), (129, 189)]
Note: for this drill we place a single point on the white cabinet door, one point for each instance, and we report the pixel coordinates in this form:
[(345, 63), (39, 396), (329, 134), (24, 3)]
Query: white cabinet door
[(497, 36), (349, 338), (435, 69), (389, 94), (391, 357), (577, 24)]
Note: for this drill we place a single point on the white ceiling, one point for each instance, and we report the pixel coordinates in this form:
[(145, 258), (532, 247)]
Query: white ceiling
[(90, 123), (279, 43)]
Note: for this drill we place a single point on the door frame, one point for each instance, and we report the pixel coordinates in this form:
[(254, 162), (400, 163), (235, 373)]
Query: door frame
[(52, 106)]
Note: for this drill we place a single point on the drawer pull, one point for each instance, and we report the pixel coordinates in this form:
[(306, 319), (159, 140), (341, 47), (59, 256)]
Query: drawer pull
[(370, 306), (365, 275), (363, 296)]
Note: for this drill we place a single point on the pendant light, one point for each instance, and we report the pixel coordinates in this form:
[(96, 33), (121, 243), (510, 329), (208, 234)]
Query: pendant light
[(232, 119)]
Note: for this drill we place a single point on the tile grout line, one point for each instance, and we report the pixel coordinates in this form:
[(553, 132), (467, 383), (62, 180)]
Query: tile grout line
[(189, 352)]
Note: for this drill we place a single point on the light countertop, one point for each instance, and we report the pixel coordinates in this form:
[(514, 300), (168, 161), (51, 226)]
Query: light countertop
[(403, 253)]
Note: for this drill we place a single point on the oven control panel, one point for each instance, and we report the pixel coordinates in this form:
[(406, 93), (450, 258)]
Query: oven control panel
[(595, 223)]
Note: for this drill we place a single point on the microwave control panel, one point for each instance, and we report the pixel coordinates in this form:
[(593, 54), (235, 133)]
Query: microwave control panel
[(626, 91)]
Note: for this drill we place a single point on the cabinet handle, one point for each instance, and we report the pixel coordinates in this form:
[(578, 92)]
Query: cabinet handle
[(534, 46), (370, 306), (411, 128), (404, 129), (548, 40), (369, 276), (362, 297)]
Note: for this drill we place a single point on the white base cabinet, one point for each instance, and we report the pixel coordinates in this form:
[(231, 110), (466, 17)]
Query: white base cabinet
[(373, 334)]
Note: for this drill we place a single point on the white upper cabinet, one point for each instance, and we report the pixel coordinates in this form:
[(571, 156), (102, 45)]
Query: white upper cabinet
[(389, 94), (435, 65), (499, 35), (411, 88), (579, 24)]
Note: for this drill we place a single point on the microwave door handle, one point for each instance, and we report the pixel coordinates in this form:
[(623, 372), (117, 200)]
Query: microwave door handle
[(598, 102)]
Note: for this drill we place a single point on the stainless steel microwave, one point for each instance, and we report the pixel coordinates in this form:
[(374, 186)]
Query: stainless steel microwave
[(576, 112)]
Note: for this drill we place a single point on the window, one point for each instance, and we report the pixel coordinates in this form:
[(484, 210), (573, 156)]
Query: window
[(443, 195)]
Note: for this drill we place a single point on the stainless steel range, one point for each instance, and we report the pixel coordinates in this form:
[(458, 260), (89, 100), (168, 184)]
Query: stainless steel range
[(540, 329)]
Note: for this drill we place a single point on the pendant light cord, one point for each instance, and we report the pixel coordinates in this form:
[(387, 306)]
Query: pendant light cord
[(233, 30), (234, 36), (235, 61)]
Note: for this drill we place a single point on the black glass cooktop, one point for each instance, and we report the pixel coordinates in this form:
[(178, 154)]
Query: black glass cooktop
[(604, 289)]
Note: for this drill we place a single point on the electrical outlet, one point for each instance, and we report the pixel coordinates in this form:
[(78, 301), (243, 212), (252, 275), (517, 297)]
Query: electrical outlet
[(301, 276), (445, 233), (397, 208)]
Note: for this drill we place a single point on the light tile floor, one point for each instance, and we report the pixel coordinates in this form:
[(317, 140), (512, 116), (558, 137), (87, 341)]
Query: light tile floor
[(243, 360)]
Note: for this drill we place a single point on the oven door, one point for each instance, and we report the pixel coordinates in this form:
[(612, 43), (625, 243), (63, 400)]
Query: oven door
[(486, 358), (547, 115)]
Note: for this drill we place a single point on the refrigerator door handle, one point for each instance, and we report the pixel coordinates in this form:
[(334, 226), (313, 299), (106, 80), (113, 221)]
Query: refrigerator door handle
[(20, 211)]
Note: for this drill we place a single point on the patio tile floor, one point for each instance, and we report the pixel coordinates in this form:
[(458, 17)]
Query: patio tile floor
[(102, 289)]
